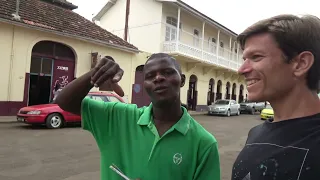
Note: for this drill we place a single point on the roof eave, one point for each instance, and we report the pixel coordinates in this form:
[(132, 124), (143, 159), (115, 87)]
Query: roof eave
[(104, 10), (196, 12), (99, 42)]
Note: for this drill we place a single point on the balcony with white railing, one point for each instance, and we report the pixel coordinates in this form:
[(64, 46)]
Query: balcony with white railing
[(206, 50)]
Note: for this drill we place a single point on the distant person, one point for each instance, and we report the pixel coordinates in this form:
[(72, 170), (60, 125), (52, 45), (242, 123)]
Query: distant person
[(56, 91), (158, 142), (281, 65)]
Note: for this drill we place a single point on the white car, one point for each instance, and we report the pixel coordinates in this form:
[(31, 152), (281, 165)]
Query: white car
[(224, 107)]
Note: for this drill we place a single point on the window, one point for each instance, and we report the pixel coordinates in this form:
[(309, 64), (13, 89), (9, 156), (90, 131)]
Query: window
[(113, 99), (41, 65), (171, 29), (212, 45), (221, 44), (196, 39), (100, 98), (221, 49)]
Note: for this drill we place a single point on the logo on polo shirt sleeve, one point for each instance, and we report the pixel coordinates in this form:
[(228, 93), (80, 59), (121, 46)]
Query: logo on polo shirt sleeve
[(177, 158)]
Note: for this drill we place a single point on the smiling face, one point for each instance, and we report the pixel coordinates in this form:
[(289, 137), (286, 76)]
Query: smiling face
[(266, 72), (162, 81)]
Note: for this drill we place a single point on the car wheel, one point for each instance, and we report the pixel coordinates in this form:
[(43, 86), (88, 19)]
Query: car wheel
[(54, 121), (238, 113), (228, 113), (253, 111)]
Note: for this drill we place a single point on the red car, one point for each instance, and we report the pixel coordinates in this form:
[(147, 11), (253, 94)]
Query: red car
[(53, 116)]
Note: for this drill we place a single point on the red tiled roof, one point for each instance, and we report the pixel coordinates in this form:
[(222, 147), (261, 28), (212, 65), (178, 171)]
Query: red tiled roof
[(48, 16)]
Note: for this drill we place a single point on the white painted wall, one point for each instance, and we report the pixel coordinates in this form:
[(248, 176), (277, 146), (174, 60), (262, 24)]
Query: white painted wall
[(144, 23)]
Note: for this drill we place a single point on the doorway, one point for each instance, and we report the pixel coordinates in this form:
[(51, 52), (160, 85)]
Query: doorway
[(192, 93), (219, 94), (234, 94), (39, 91), (51, 63), (228, 90), (40, 80), (139, 94), (241, 94), (210, 98)]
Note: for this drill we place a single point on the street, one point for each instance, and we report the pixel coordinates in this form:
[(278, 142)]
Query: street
[(71, 153)]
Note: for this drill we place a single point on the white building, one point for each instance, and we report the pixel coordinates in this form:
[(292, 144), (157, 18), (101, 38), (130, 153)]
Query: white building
[(207, 51)]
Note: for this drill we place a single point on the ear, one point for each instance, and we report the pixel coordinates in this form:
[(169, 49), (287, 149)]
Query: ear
[(183, 80), (302, 63)]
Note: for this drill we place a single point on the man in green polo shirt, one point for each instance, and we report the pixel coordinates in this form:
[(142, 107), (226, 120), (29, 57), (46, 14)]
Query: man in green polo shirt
[(158, 142)]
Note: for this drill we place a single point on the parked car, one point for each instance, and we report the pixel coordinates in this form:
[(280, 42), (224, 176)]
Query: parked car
[(53, 116), (224, 107), (267, 113), (251, 107)]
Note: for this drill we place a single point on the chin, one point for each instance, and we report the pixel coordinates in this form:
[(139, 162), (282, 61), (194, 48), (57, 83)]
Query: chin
[(163, 102), (255, 98)]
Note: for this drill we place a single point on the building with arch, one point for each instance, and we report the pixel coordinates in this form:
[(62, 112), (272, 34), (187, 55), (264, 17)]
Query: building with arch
[(44, 43), (207, 51)]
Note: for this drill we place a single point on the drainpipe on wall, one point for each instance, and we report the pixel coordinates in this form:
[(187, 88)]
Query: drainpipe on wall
[(127, 21), (15, 15), (11, 65)]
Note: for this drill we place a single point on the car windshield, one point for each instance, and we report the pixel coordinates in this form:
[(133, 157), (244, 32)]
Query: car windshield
[(222, 102), (268, 106), (100, 98)]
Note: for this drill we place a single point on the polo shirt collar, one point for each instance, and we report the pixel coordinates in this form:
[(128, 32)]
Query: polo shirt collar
[(182, 126)]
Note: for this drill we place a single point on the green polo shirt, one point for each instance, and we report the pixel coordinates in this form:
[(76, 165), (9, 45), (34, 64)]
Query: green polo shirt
[(127, 137)]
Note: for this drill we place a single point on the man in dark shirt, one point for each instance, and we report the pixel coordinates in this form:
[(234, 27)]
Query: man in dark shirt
[(282, 65)]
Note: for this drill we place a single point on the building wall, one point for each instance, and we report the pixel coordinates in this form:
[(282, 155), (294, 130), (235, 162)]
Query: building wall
[(144, 23), (189, 23), (203, 84), (22, 40)]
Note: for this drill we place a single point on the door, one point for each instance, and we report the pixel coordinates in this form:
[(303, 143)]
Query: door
[(234, 108), (63, 73), (139, 94), (40, 81)]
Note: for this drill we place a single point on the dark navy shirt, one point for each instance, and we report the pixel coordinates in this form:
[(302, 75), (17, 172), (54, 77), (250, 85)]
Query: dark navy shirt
[(285, 150)]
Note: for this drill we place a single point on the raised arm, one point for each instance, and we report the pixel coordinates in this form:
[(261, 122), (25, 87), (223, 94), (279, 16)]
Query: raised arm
[(71, 96)]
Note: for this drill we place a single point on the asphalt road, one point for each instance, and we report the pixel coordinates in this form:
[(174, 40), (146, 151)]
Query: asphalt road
[(71, 153)]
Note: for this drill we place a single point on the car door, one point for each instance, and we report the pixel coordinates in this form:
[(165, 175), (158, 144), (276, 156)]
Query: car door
[(233, 107)]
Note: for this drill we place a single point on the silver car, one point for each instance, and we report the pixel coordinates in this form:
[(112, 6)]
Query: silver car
[(251, 107), (224, 107)]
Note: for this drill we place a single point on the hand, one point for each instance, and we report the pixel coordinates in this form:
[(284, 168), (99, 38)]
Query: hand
[(107, 71)]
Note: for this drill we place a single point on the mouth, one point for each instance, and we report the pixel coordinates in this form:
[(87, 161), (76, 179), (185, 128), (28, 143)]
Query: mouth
[(160, 89), (251, 82)]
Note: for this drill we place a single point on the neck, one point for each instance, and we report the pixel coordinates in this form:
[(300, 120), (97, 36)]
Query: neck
[(299, 102), (170, 113)]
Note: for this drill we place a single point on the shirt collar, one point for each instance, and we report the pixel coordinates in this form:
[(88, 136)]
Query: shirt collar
[(182, 126)]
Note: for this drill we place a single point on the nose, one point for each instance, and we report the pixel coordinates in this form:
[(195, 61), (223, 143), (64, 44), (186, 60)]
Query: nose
[(245, 68), (159, 78)]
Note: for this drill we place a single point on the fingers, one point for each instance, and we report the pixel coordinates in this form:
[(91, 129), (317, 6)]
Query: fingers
[(105, 73), (117, 77), (117, 89), (106, 69)]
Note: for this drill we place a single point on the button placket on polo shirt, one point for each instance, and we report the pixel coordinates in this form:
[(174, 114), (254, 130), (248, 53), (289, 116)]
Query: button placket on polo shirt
[(157, 138)]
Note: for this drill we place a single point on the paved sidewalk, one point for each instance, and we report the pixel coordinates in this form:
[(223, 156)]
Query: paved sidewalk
[(7, 119), (11, 119), (195, 113)]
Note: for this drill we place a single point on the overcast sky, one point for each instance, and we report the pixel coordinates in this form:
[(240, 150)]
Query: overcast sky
[(234, 14)]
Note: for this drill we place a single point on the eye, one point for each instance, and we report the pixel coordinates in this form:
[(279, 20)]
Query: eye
[(256, 57), (168, 72), (148, 76)]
